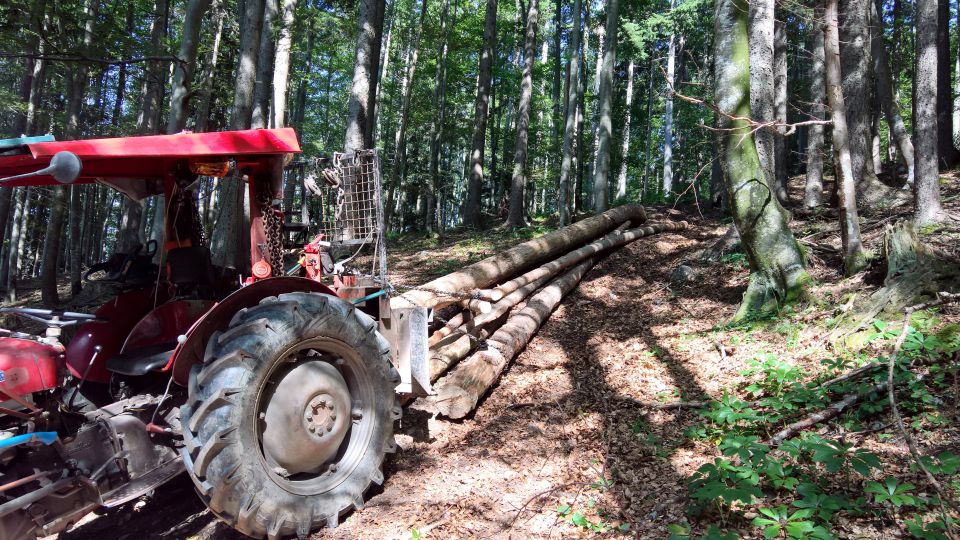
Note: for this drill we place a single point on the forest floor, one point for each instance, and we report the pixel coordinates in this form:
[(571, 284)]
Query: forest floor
[(566, 445)]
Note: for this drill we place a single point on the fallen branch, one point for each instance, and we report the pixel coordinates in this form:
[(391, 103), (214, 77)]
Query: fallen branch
[(942, 298)]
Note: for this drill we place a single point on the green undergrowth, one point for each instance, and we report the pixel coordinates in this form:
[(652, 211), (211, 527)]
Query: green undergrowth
[(818, 480)]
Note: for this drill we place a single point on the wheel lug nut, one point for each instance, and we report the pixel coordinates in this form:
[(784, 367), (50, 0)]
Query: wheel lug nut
[(333, 416), (309, 418), (312, 429), (263, 415), (357, 414), (333, 467), (330, 427)]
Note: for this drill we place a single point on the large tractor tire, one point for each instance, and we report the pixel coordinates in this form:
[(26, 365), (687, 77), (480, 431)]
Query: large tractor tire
[(290, 415)]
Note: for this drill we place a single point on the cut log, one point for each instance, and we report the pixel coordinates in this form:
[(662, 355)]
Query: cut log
[(446, 289), (459, 392), (610, 241)]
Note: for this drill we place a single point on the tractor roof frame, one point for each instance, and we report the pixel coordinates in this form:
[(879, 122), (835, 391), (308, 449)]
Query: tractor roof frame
[(138, 166)]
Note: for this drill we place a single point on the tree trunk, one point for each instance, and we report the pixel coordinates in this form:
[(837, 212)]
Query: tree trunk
[(360, 108), (777, 268), (406, 89), (281, 68), (471, 214), (668, 115), (210, 69), (226, 247), (781, 155), (949, 155), (763, 89), (813, 190), (570, 122), (647, 132), (436, 128), (519, 178), (854, 258), (601, 171), (183, 70), (885, 93), (625, 137), (855, 67), (262, 90), (16, 242), (926, 188)]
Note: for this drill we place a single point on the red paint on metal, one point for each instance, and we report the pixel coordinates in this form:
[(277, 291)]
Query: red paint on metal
[(164, 324), (125, 161), (27, 366), (190, 352), (121, 315)]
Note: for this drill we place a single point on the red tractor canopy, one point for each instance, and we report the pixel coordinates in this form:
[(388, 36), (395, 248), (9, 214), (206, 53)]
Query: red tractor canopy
[(138, 166)]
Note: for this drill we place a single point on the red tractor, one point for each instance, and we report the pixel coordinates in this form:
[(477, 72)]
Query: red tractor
[(276, 392)]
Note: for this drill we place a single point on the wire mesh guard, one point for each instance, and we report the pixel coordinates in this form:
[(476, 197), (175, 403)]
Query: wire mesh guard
[(351, 206)]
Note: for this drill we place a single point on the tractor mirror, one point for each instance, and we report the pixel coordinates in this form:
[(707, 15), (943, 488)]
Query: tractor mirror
[(64, 168)]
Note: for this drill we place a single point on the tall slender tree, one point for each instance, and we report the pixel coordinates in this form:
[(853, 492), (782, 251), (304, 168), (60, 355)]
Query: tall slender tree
[(519, 178), (471, 211), (926, 188), (601, 171), (570, 122), (854, 258)]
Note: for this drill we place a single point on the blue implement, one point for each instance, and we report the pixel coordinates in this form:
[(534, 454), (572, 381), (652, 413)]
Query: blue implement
[(46, 437)]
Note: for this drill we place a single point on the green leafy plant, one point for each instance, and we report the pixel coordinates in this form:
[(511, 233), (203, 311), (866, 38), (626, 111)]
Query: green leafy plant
[(891, 491), (780, 520)]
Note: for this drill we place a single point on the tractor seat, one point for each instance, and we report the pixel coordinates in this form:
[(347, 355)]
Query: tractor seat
[(190, 266), (143, 360)]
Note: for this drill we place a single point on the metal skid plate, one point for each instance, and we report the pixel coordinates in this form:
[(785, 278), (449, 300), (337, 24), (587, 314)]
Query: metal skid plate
[(406, 330)]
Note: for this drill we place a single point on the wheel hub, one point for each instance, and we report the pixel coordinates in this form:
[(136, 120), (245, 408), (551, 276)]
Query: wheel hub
[(320, 415), (305, 419)]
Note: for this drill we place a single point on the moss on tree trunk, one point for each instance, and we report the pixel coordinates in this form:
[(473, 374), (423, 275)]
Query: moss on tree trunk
[(777, 272)]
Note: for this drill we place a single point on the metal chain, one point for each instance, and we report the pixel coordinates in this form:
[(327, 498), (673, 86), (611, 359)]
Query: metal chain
[(273, 229), (452, 294)]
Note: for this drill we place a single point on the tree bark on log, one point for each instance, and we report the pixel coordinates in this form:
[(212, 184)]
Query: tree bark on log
[(610, 241), (444, 290), (459, 392)]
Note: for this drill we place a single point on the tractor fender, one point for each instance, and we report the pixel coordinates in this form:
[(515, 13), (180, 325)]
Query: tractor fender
[(190, 346)]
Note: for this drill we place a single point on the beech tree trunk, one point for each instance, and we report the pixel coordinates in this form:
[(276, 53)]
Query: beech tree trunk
[(781, 155), (763, 89), (210, 69), (855, 66), (601, 171), (777, 267), (281, 68), (885, 93), (406, 89), (813, 190), (854, 258), (471, 213), (668, 115), (625, 136), (262, 91), (226, 247), (926, 188), (519, 178), (360, 107), (949, 155), (183, 70), (436, 128), (570, 122)]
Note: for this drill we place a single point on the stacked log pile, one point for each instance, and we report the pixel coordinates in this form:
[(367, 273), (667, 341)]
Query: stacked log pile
[(504, 299)]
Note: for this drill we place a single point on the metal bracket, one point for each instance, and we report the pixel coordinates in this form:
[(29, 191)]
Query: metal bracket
[(406, 330)]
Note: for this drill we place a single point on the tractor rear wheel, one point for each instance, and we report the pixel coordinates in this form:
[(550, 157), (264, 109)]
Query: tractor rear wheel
[(290, 415)]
